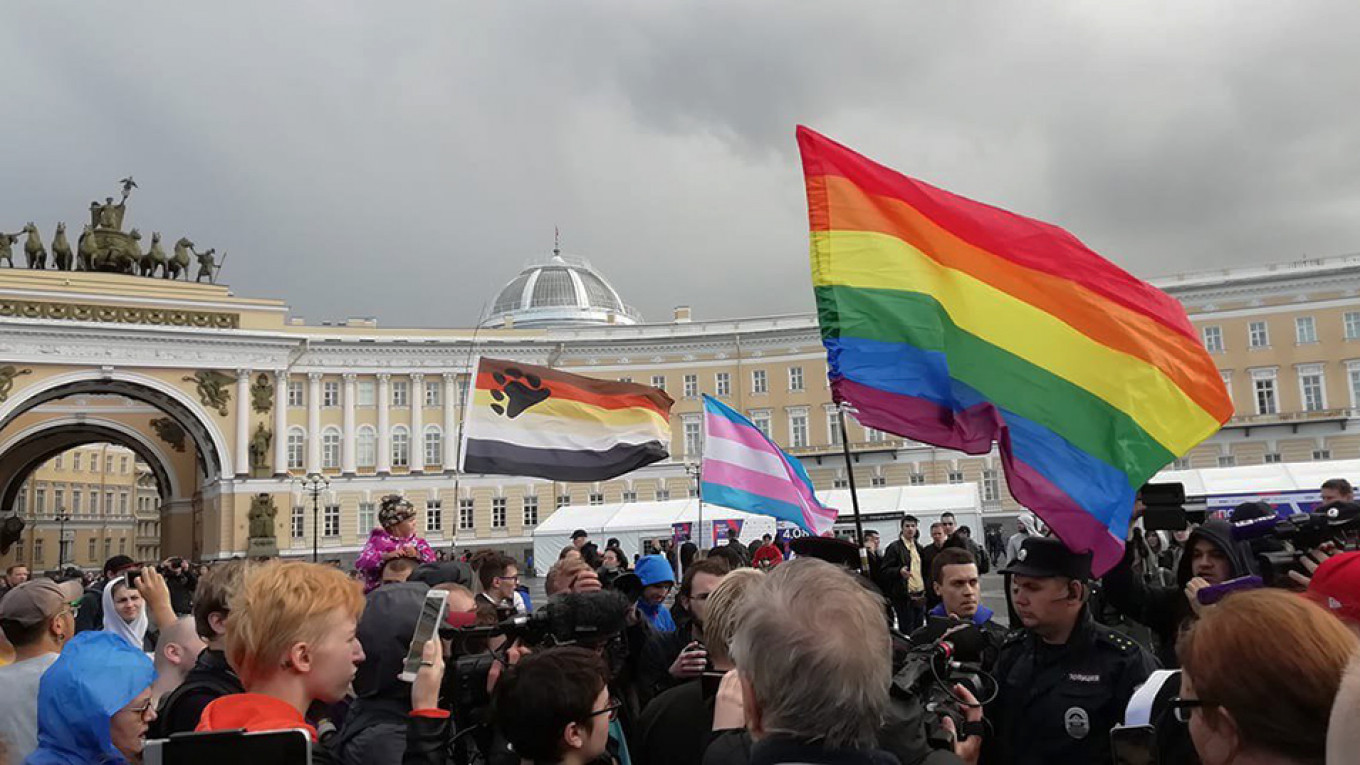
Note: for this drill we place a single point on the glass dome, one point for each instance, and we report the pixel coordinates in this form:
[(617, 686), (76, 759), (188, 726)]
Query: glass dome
[(560, 292)]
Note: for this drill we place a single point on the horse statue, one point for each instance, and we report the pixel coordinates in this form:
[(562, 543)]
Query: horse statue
[(125, 258), (180, 263), (86, 249), (61, 250), (33, 247), (154, 257), (7, 241)]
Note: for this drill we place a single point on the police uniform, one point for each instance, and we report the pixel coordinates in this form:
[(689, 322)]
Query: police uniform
[(1057, 703)]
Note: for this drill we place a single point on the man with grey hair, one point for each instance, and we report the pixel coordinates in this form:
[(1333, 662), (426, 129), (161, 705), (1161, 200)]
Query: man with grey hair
[(814, 662)]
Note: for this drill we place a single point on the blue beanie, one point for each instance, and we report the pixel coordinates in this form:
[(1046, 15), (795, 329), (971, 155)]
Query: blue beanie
[(654, 569)]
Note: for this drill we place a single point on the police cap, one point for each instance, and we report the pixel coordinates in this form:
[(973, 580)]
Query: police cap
[(1045, 556)]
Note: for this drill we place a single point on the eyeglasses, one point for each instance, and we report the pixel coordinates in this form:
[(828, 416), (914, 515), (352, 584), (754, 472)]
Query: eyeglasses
[(514, 578), (1181, 708), (612, 710), (141, 709)]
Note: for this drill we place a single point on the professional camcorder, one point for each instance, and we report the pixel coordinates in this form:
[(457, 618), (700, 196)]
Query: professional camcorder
[(1279, 542), (929, 672)]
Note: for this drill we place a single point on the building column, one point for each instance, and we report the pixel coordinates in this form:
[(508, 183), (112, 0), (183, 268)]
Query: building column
[(280, 422), (347, 456), (450, 424), (243, 422), (313, 422), (384, 424), (417, 423)]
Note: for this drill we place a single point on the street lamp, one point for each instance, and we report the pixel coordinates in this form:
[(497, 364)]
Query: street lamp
[(314, 484), (63, 518)]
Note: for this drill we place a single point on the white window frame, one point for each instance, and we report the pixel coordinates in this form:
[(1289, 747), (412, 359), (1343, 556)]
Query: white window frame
[(629, 495), (297, 522), (722, 384), (760, 382), (1304, 372), (762, 420), (529, 510), (330, 447), (499, 512), (1323, 454), (833, 425), (1227, 460), (595, 498), (659, 382), (1305, 330), (1258, 335), (691, 386), (692, 430), (297, 394), (401, 446), (796, 381), (663, 494), (367, 517), (296, 448), (1258, 377), (330, 520), (991, 485), (330, 394), (955, 476), (366, 393), (434, 516), (467, 513), (401, 394), (434, 445), (1350, 323), (798, 427), (917, 479), (434, 394), (1273, 458), (366, 446), (1212, 336)]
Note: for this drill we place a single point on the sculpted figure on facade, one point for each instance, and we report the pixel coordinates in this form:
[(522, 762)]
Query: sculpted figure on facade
[(262, 515), (211, 386), (7, 374), (169, 431), (207, 267), (259, 448), (262, 394), (179, 264), (154, 259), (7, 242)]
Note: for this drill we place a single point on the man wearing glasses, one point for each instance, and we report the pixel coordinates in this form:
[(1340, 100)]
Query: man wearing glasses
[(499, 577), (38, 617), (554, 706)]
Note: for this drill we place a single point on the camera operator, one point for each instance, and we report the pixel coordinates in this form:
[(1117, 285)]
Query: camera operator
[(182, 582), (554, 707), (954, 577), (1064, 680), (292, 638), (1211, 557)]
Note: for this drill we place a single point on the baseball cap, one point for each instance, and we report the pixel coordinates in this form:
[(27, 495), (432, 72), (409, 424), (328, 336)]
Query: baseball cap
[(33, 601), (1336, 586), (1045, 556)]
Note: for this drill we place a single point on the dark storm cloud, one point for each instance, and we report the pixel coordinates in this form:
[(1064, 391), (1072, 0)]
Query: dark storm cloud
[(405, 160)]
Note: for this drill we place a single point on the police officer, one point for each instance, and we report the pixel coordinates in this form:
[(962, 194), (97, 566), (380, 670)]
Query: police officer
[(1063, 680)]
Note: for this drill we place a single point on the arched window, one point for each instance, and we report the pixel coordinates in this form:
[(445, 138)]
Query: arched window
[(297, 448), (434, 445), (330, 448), (366, 447), (401, 446)]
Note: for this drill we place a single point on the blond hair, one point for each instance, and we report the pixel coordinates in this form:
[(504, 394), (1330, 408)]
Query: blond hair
[(724, 610), (281, 605)]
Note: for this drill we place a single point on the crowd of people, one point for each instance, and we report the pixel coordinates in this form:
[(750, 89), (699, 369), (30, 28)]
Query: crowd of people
[(743, 654)]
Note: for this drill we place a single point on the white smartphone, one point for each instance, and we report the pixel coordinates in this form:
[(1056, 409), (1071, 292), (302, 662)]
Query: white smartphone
[(427, 628)]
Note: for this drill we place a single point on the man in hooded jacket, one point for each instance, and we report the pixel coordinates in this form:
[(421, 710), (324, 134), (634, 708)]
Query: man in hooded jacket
[(1211, 557)]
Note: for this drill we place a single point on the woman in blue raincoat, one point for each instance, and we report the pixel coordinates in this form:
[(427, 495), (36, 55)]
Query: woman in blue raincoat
[(94, 703)]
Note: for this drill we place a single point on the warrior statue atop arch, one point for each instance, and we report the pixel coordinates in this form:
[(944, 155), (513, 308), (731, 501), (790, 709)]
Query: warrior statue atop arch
[(104, 246)]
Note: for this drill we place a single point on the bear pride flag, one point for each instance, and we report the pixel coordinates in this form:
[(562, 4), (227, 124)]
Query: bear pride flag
[(527, 420), (960, 324)]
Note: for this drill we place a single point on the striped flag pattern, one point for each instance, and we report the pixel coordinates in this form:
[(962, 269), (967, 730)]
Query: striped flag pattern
[(528, 420), (745, 470)]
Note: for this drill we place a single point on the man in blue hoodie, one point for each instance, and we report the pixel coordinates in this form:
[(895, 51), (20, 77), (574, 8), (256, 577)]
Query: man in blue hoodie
[(954, 577), (94, 703), (657, 580)]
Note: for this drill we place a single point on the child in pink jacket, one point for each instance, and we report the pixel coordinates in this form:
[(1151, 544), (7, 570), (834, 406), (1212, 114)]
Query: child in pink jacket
[(395, 539)]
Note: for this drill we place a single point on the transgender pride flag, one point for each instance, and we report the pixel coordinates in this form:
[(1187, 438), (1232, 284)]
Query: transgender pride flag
[(745, 471)]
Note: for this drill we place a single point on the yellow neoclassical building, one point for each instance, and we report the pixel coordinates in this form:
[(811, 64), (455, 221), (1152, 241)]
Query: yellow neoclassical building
[(225, 398)]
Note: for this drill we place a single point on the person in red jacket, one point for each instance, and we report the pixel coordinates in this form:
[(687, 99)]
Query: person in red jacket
[(292, 638), (768, 555)]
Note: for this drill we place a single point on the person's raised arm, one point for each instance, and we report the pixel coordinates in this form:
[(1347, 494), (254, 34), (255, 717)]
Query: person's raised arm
[(156, 593)]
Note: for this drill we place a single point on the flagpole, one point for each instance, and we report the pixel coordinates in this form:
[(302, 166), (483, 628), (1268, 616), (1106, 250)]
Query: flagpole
[(462, 420), (854, 497), (694, 470)]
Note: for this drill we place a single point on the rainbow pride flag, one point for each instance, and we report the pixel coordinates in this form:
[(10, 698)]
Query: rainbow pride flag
[(744, 470), (960, 324)]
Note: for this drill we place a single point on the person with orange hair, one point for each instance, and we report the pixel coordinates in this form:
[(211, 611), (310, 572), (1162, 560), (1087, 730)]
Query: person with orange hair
[(292, 638), (1260, 673)]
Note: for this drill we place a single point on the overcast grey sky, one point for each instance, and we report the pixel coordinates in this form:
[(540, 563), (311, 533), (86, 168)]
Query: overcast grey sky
[(405, 159)]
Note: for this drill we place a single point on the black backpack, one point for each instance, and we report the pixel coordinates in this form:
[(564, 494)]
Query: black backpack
[(215, 683)]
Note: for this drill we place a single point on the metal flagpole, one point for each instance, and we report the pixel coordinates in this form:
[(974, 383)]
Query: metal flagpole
[(854, 497)]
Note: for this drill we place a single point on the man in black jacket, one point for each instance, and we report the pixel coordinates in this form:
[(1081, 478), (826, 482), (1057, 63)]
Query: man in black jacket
[(902, 577), (1211, 557)]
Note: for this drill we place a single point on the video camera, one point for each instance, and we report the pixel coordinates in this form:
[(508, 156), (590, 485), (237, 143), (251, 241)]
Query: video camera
[(590, 619), (929, 673), (1280, 542)]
